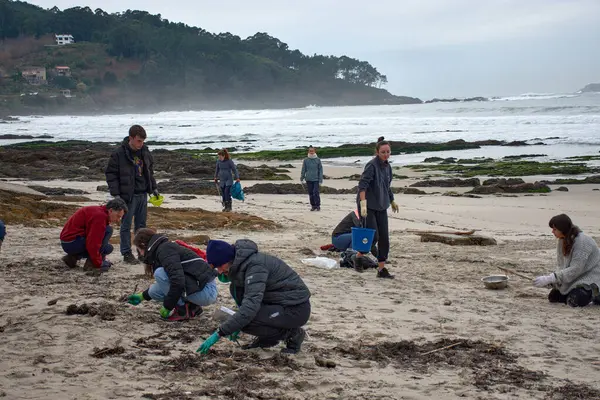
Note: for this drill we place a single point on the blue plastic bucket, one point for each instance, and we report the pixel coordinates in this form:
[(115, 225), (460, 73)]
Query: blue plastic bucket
[(362, 239)]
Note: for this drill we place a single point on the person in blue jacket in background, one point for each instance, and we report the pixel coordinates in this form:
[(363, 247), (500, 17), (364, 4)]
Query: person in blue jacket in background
[(312, 173), (225, 173)]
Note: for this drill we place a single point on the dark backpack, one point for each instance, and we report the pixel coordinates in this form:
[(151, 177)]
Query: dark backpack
[(348, 258)]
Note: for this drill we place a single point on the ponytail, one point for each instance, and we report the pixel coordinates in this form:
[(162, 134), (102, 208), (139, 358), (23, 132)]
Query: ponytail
[(564, 224), (223, 152)]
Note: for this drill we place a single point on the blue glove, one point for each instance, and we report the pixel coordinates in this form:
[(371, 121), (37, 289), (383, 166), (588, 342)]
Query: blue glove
[(105, 266), (208, 343)]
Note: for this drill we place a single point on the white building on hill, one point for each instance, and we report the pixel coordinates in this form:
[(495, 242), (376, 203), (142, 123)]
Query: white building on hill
[(64, 39)]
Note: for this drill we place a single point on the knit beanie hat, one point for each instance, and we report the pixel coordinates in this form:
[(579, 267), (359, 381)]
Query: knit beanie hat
[(219, 252)]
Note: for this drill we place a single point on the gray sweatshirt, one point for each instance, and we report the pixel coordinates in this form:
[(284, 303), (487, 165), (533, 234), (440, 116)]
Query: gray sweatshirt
[(224, 171), (581, 268), (376, 181), (312, 170)]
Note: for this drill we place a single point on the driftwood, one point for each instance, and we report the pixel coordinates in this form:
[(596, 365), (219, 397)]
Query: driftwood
[(420, 232), (441, 348), (458, 240), (512, 271)]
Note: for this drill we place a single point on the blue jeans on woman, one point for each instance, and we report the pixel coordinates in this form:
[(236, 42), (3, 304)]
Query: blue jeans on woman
[(342, 241), (160, 289), (2, 230), (226, 194), (313, 194), (77, 247)]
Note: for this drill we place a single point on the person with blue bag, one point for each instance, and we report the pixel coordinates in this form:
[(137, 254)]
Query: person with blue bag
[(312, 173), (225, 173), (374, 198)]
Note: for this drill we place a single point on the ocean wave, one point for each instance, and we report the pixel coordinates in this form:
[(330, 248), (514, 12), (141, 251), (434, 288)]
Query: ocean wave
[(535, 96)]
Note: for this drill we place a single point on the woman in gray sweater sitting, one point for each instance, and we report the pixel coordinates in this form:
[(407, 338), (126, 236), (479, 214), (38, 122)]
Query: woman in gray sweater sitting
[(576, 280)]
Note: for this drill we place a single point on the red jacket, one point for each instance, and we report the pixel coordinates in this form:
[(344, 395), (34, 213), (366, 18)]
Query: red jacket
[(89, 222)]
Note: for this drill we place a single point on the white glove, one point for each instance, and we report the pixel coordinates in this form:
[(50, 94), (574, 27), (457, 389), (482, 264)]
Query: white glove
[(544, 280), (363, 208)]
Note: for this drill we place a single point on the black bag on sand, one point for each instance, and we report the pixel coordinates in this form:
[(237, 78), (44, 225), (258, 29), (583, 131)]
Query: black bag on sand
[(348, 260)]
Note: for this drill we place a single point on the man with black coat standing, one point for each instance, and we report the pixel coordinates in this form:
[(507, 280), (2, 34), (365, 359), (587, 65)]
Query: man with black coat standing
[(130, 176)]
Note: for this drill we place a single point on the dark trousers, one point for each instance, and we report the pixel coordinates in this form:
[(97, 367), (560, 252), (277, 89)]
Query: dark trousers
[(273, 322), (313, 194), (2, 230), (138, 209), (378, 220), (578, 297), (226, 194), (77, 246)]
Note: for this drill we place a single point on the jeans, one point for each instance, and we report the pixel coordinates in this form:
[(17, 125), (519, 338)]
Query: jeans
[(578, 297), (273, 322), (2, 230), (77, 246), (313, 194), (202, 298), (226, 194), (342, 242), (138, 209), (378, 220)]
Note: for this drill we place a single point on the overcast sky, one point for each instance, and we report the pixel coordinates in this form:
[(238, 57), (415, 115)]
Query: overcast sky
[(427, 48)]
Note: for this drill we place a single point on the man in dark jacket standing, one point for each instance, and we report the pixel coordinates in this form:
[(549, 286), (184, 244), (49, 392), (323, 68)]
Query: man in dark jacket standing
[(86, 234), (273, 300), (130, 176)]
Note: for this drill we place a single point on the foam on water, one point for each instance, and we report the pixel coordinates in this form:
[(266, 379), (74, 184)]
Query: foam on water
[(575, 119)]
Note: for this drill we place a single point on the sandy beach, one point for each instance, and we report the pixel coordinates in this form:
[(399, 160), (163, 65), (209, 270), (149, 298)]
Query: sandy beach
[(374, 335)]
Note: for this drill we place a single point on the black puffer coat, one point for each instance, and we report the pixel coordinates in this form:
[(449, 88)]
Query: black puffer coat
[(187, 272), (266, 280), (120, 171)]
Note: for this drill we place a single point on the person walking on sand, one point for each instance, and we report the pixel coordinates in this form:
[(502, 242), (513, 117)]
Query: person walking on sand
[(273, 300), (130, 176), (374, 198), (2, 233), (312, 173), (184, 281), (87, 232), (576, 281), (225, 173)]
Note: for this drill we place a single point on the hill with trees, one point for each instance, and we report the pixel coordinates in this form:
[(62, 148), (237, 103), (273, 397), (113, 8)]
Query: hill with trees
[(136, 60)]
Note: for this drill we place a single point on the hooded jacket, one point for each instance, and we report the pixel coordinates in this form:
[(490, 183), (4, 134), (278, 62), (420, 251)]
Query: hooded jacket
[(266, 280), (187, 272), (89, 222), (312, 170), (120, 171), (345, 226)]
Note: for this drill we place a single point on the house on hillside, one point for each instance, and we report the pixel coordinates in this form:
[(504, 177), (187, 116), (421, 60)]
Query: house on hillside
[(61, 40), (62, 71), (34, 75)]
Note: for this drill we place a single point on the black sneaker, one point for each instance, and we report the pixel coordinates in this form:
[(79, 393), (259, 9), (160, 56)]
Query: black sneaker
[(317, 208), (358, 264), (129, 258), (294, 341), (195, 310), (384, 273), (313, 208), (262, 343), (70, 260)]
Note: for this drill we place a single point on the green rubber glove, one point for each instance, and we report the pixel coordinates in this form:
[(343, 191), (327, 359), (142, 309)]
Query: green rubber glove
[(164, 312), (234, 336), (135, 298), (208, 343), (223, 278)]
